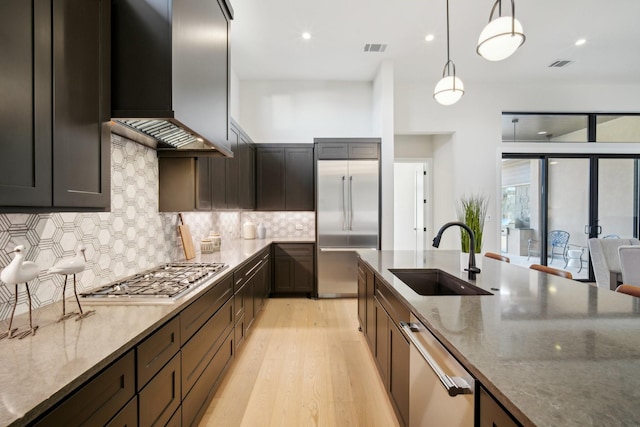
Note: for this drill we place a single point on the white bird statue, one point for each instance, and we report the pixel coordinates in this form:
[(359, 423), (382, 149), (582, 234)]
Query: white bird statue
[(19, 271), (72, 266)]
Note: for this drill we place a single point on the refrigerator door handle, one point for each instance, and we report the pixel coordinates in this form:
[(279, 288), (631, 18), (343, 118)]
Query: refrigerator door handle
[(351, 202), (344, 207)]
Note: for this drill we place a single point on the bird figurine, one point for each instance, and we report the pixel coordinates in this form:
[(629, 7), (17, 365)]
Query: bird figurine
[(72, 266), (19, 271)]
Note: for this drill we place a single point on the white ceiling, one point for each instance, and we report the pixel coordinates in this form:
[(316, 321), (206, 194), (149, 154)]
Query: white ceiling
[(266, 42)]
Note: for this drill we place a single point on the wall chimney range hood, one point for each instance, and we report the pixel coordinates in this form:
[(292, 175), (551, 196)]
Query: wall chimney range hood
[(170, 75)]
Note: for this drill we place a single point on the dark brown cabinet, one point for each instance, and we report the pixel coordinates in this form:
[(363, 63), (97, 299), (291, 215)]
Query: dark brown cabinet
[(392, 348), (154, 352), (210, 183), (293, 268), (55, 146), (349, 148), (229, 183), (179, 366), (366, 305), (252, 284), (285, 177), (99, 400), (492, 414), (161, 397)]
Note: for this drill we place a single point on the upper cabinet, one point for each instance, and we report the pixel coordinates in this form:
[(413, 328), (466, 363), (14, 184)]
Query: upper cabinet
[(210, 183), (285, 177), (347, 148), (55, 143)]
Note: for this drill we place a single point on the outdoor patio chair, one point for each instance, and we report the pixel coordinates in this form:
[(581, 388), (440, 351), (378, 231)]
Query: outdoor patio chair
[(557, 242)]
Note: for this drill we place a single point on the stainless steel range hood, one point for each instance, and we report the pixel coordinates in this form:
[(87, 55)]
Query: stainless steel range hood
[(170, 75)]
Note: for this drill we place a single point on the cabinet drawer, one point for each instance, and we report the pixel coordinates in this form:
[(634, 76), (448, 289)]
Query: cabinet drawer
[(197, 353), (397, 310), (128, 417), (238, 303), (239, 332), (196, 314), (161, 397), (99, 400), (176, 419), (195, 403), (154, 352), (294, 249), (244, 273)]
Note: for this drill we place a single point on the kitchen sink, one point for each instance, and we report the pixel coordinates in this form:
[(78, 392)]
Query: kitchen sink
[(436, 282)]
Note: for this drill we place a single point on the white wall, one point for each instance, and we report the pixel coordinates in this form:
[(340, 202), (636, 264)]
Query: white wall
[(468, 160), (298, 111), (383, 126), (234, 95), (413, 146)]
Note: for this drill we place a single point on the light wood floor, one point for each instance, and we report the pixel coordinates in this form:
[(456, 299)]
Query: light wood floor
[(304, 364)]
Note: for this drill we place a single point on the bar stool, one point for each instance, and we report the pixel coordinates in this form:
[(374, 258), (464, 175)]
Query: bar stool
[(629, 290), (551, 270), (497, 256)]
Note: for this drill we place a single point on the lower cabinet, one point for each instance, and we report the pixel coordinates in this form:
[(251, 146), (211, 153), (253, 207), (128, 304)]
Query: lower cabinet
[(392, 349), (399, 371), (366, 304), (170, 377), (100, 400), (194, 404), (492, 414), (160, 398), (293, 268), (127, 417)]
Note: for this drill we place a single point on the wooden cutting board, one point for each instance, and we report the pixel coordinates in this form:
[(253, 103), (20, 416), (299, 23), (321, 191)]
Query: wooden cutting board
[(187, 240)]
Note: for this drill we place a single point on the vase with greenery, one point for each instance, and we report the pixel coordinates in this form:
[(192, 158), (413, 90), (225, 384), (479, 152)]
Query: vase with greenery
[(472, 210)]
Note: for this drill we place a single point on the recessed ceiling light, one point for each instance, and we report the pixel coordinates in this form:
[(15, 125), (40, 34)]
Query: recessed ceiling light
[(542, 132), (306, 35), (429, 37), (580, 42)]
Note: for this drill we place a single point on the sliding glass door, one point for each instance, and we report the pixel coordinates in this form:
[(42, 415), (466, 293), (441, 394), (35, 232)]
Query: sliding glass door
[(555, 203)]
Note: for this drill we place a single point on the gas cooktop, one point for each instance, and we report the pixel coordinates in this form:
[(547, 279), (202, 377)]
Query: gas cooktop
[(163, 284)]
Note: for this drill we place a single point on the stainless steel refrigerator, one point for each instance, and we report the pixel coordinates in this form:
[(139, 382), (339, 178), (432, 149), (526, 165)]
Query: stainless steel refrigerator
[(348, 218)]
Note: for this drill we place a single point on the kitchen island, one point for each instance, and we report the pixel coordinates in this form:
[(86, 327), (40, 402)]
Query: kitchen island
[(552, 351), (39, 371)]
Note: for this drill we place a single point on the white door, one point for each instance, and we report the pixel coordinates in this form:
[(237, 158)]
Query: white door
[(411, 201)]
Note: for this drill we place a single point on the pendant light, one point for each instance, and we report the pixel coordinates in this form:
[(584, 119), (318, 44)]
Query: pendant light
[(502, 36), (450, 88)]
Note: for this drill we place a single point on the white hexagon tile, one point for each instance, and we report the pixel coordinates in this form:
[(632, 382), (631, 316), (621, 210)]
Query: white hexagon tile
[(133, 237)]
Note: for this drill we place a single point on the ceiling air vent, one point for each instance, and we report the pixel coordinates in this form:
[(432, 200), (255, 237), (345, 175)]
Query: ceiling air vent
[(375, 47), (560, 63)]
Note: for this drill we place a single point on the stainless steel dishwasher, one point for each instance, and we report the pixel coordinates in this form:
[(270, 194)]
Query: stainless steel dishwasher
[(440, 390)]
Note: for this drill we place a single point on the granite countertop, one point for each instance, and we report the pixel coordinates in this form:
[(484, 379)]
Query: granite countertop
[(555, 352), (39, 370)]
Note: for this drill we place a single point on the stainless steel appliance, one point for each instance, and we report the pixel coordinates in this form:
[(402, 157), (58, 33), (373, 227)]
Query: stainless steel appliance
[(441, 390), (347, 218), (163, 284)]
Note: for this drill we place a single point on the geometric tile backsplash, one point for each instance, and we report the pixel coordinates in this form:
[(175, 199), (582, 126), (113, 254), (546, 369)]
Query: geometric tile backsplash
[(133, 237)]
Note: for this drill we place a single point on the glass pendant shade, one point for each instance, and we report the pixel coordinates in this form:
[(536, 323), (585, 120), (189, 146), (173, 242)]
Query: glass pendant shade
[(448, 90), (500, 38)]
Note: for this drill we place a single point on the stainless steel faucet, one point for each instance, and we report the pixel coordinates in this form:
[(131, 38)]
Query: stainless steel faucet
[(472, 269)]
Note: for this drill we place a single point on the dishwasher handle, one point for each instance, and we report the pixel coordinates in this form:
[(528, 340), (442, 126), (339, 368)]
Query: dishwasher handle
[(453, 385)]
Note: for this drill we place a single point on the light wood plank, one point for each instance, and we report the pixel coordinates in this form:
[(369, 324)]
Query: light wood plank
[(304, 364)]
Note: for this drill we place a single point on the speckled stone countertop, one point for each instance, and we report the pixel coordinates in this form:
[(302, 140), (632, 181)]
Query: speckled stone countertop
[(555, 352), (36, 372)]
